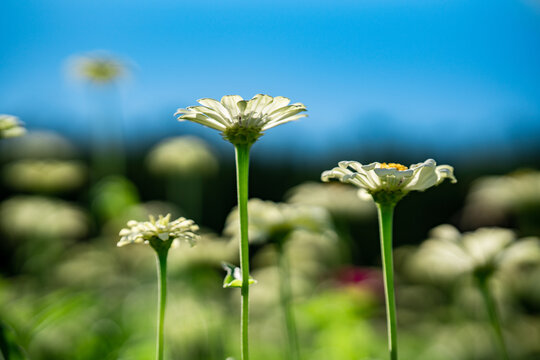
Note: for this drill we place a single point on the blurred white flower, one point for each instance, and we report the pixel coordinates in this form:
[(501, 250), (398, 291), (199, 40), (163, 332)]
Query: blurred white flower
[(269, 220), (99, 67), (37, 216), (182, 155), (39, 145), (210, 251), (340, 200), (243, 121), (10, 126), (162, 229), (495, 195), (45, 175), (378, 178), (448, 254)]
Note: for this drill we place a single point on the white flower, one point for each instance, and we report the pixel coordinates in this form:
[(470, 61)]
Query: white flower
[(182, 155), (42, 217), (377, 178), (448, 253), (243, 121), (10, 126), (268, 220), (162, 229)]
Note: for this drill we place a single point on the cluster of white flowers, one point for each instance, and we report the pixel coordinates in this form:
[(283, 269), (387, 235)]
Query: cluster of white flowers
[(268, 219), (161, 228), (448, 254), (10, 126), (243, 121)]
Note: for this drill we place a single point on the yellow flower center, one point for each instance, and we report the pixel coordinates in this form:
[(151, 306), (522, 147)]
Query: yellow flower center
[(393, 166)]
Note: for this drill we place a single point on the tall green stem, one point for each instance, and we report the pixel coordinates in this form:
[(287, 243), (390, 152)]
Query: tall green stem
[(491, 307), (161, 256), (386, 214), (242, 176), (285, 294)]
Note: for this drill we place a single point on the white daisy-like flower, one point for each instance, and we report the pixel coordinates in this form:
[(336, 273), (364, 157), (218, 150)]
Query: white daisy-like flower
[(163, 229), (448, 254), (10, 126), (390, 182), (242, 121)]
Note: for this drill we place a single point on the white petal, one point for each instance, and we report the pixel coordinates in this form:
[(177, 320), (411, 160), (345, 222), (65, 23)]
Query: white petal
[(272, 124), (216, 106), (230, 102)]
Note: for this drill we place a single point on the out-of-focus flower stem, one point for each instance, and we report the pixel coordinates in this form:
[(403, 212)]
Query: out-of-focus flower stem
[(285, 294), (242, 177), (161, 257), (386, 215), (491, 307)]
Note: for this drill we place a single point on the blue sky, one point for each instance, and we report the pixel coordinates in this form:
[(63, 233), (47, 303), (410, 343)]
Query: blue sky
[(433, 75)]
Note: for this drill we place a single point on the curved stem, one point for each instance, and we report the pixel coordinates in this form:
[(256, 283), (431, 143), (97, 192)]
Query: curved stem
[(491, 308), (162, 298), (386, 214), (242, 176), (285, 294)]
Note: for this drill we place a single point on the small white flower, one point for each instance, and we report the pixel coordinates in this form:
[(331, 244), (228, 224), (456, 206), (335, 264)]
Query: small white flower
[(243, 121), (377, 178), (10, 126), (162, 228), (448, 253)]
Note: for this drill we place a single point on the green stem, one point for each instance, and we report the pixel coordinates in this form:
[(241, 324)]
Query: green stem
[(285, 293), (386, 214), (491, 308), (162, 298), (242, 176)]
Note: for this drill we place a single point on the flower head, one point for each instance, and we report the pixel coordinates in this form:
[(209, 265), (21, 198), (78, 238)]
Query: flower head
[(162, 229), (10, 126), (242, 121), (390, 182)]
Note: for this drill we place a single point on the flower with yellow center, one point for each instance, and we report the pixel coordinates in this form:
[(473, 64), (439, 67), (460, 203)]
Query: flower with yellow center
[(243, 121), (390, 182), (387, 183), (162, 229)]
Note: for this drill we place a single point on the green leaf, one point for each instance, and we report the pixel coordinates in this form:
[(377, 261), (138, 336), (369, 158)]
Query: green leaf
[(233, 279)]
